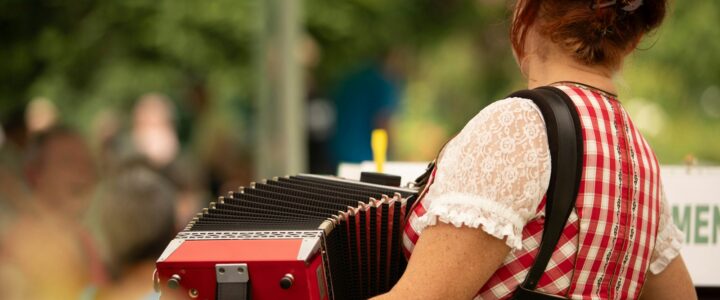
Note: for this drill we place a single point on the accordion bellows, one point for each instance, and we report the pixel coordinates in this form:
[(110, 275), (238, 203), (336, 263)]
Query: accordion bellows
[(296, 237)]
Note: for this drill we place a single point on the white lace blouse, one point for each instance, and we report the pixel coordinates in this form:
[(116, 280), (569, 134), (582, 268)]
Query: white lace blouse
[(495, 172)]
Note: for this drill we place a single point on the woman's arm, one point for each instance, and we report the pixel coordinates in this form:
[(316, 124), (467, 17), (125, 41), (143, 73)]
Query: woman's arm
[(488, 184), (667, 278), (672, 283), (449, 263)]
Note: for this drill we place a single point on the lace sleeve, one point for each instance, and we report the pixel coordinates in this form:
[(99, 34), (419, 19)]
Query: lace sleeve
[(494, 174), (669, 239)]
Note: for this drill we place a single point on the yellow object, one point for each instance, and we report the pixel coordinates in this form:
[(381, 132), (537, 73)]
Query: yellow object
[(379, 142)]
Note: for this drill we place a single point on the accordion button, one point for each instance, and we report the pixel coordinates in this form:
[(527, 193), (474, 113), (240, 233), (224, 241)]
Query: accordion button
[(287, 281), (174, 281)]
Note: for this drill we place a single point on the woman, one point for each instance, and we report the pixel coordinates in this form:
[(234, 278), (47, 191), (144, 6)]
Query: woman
[(476, 229)]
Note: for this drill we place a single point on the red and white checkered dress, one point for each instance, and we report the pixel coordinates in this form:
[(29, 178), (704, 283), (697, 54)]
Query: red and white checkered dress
[(494, 175)]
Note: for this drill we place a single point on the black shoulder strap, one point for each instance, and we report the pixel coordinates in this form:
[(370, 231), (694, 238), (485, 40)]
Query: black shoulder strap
[(566, 151)]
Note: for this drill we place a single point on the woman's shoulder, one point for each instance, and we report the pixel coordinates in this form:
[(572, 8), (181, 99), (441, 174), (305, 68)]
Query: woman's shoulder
[(507, 126), (505, 113)]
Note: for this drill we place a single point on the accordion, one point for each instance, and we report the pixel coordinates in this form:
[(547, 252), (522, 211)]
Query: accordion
[(295, 237)]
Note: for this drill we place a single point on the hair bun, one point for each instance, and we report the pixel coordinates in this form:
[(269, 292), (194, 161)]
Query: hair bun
[(594, 32)]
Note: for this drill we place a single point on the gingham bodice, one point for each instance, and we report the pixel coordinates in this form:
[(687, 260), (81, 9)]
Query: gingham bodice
[(620, 227)]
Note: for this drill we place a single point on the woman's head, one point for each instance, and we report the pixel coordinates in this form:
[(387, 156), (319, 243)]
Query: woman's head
[(593, 32)]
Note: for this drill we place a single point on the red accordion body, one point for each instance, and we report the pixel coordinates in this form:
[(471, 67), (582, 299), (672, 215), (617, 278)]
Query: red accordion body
[(298, 237), (267, 261)]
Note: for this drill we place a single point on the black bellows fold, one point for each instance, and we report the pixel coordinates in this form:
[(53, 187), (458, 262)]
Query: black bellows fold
[(362, 224)]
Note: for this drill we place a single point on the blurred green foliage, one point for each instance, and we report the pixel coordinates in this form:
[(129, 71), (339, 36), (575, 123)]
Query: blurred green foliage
[(90, 54), (678, 71), (87, 55)]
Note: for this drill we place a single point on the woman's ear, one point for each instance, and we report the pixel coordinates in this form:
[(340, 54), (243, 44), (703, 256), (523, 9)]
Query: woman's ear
[(633, 44), (536, 51)]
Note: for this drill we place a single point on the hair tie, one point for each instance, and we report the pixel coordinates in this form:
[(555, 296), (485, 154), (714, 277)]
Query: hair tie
[(629, 7)]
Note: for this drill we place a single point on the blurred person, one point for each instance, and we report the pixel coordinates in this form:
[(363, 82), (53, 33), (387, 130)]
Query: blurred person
[(155, 137), (60, 174), (476, 230), (191, 192), (365, 100), (219, 137), (226, 160), (153, 129), (136, 220), (320, 111), (13, 193)]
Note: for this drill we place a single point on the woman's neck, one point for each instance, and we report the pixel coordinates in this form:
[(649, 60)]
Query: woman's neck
[(558, 68)]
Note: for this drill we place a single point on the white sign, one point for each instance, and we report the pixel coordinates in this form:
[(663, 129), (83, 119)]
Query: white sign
[(693, 194)]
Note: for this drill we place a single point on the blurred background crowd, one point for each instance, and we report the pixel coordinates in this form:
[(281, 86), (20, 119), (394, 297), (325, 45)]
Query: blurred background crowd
[(122, 119)]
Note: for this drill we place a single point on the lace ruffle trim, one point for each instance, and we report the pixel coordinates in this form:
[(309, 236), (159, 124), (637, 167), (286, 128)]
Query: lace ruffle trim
[(670, 243), (475, 212)]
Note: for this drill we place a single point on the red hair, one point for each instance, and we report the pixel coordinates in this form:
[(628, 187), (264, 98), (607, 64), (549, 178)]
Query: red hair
[(593, 34)]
